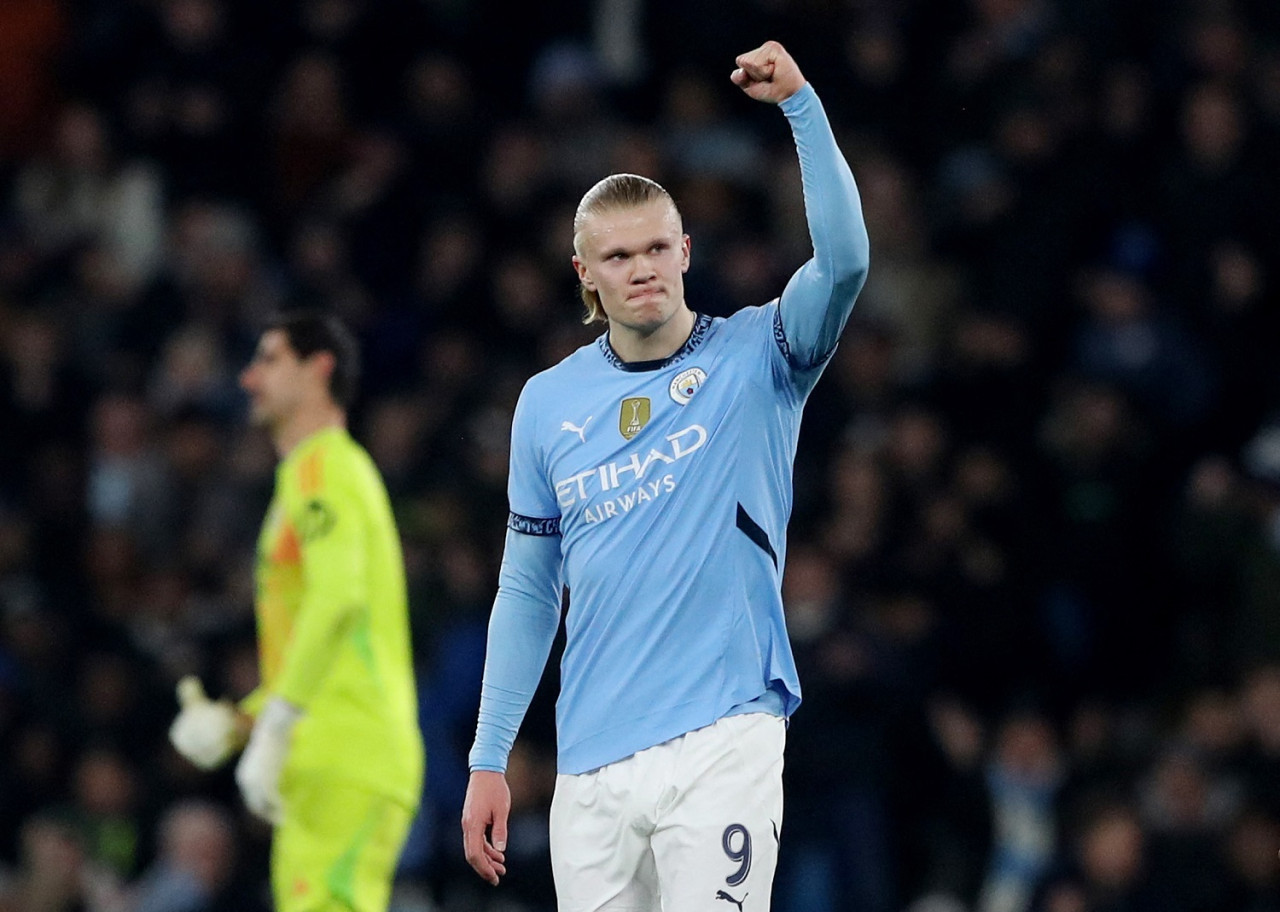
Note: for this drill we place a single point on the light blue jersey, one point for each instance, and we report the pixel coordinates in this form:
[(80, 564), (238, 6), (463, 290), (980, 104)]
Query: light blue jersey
[(659, 494)]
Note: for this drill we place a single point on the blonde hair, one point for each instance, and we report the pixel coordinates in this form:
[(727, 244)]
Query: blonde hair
[(617, 191)]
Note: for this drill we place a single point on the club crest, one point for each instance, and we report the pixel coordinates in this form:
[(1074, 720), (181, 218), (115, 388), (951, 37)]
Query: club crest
[(686, 383)]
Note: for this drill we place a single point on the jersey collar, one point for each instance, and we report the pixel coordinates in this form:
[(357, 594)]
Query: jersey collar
[(701, 324)]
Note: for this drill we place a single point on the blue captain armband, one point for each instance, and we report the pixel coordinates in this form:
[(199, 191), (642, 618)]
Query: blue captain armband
[(531, 526)]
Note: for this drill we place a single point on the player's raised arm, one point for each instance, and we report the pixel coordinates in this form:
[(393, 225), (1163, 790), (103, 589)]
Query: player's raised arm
[(819, 298)]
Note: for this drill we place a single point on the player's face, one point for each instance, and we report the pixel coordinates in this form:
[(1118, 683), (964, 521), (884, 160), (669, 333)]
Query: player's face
[(276, 380), (635, 260)]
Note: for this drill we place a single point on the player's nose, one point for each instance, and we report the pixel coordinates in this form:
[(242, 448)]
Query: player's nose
[(642, 269)]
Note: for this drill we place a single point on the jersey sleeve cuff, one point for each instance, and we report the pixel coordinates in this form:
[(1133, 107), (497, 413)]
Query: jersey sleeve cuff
[(487, 758), (799, 100)]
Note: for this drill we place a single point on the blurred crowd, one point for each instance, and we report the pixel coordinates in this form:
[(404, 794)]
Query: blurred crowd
[(1034, 574)]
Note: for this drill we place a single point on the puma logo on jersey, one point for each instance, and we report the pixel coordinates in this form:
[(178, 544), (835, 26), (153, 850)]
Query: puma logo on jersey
[(721, 894), (580, 431)]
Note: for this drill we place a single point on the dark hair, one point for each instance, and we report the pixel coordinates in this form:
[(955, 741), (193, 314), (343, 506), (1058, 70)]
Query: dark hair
[(311, 331)]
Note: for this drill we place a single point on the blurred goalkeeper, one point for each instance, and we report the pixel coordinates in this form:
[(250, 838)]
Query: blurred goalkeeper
[(332, 755)]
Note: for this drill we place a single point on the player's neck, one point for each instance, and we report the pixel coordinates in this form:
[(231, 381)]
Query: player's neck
[(303, 423), (663, 342)]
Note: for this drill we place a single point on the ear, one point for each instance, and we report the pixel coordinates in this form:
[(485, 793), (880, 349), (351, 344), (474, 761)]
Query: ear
[(686, 247), (581, 268), (324, 362)]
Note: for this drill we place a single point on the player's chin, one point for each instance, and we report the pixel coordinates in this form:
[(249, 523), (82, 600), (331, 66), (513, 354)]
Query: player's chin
[(259, 415), (648, 313)]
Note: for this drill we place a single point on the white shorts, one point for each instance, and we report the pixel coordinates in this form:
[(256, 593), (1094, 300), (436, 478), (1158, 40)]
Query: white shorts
[(692, 823)]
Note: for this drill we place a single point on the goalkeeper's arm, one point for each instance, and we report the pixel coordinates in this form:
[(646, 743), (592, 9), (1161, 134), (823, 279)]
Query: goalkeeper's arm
[(334, 600)]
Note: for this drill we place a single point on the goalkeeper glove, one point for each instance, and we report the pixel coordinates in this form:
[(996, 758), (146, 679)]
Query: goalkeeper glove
[(204, 732), (258, 772)]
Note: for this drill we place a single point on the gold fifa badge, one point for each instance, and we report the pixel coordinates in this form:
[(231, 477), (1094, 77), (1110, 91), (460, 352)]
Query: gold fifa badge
[(633, 416)]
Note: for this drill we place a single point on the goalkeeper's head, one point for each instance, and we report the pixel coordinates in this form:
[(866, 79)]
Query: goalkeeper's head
[(306, 363)]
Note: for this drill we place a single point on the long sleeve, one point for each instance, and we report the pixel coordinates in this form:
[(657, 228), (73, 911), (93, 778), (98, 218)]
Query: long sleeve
[(526, 615), (333, 620), (818, 300), (335, 594)]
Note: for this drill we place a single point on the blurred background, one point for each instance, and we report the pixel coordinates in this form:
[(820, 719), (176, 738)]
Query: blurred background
[(1034, 576)]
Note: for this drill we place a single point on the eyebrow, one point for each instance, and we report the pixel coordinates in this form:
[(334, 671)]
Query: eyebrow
[(618, 248)]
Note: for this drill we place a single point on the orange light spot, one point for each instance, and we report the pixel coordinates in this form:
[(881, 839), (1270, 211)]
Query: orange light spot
[(287, 549)]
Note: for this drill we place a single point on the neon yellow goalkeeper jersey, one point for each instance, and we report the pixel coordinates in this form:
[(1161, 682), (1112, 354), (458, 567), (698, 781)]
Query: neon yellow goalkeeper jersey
[(333, 627)]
